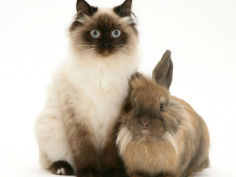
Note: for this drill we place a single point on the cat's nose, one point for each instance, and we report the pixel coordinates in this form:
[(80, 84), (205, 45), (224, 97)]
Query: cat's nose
[(106, 44)]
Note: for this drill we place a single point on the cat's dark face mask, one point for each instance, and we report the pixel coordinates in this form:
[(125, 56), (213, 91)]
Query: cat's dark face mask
[(102, 32)]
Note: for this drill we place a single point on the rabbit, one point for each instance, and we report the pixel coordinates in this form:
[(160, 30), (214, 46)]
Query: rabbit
[(160, 135)]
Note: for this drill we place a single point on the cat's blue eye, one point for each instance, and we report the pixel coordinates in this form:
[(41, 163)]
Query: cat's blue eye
[(95, 34), (116, 33)]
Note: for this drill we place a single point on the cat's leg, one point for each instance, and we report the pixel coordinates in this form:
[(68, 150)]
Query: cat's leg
[(138, 175), (110, 162), (145, 175), (53, 144), (81, 142), (61, 168), (166, 175)]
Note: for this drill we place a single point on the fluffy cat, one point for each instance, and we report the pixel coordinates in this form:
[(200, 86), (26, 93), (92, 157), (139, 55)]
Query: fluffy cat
[(75, 129)]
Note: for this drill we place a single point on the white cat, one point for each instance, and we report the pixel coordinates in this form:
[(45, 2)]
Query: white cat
[(75, 129)]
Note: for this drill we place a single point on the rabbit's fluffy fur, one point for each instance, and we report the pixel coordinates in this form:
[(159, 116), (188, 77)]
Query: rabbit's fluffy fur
[(160, 135)]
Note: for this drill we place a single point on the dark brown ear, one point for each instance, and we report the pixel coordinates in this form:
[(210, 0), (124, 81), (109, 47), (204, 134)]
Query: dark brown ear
[(163, 72), (83, 7), (127, 107), (136, 80), (124, 9)]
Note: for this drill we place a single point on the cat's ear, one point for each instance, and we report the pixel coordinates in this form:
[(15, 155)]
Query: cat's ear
[(163, 72), (83, 7), (124, 9)]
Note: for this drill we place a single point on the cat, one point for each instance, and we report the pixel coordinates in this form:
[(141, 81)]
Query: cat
[(75, 129)]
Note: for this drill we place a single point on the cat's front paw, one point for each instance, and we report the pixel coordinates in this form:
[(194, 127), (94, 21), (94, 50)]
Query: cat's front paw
[(114, 172), (88, 172), (61, 168)]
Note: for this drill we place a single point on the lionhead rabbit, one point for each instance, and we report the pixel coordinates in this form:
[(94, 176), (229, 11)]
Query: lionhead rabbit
[(160, 135)]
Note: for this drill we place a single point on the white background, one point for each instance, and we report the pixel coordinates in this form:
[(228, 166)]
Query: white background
[(200, 33)]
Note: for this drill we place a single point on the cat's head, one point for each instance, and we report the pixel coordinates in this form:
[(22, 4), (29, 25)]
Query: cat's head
[(104, 32)]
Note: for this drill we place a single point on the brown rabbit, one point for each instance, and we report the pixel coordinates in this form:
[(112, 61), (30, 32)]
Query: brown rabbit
[(160, 135)]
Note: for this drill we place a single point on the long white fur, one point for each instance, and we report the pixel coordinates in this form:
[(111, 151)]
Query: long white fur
[(172, 140), (102, 84), (123, 139)]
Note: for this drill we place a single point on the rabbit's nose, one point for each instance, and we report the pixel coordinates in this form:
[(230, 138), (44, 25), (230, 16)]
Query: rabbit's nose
[(146, 124)]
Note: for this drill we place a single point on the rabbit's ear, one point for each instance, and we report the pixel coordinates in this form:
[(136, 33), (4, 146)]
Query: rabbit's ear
[(163, 72), (136, 80)]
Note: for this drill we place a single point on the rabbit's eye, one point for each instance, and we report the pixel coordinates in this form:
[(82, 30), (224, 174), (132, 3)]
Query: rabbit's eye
[(138, 114), (161, 108), (163, 102), (153, 116)]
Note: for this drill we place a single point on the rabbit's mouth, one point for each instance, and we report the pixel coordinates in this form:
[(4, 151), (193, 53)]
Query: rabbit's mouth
[(145, 132)]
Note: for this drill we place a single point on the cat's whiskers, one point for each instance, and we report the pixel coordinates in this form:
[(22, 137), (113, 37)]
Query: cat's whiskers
[(122, 54), (85, 45), (89, 55), (123, 51), (87, 52)]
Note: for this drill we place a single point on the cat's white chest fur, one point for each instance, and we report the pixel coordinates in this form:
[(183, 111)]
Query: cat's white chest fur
[(102, 86), (105, 99)]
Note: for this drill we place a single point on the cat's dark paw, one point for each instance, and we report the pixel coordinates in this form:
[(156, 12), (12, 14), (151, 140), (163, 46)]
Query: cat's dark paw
[(61, 168), (114, 172), (88, 172)]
